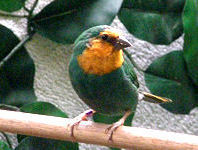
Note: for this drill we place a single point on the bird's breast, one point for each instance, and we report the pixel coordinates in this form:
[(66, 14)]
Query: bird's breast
[(110, 94)]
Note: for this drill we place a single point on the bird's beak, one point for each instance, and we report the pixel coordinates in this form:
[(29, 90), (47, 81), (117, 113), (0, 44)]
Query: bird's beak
[(121, 43)]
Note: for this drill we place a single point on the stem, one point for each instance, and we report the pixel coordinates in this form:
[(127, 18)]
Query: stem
[(29, 27), (15, 49), (2, 13), (26, 9), (58, 15), (32, 9), (7, 139)]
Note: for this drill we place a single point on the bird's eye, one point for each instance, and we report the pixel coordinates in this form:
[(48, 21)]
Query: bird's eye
[(104, 37)]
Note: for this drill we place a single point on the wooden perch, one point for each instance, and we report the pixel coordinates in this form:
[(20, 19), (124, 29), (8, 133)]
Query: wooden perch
[(94, 133)]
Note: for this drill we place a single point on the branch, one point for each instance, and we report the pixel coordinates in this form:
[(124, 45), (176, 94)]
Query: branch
[(33, 7), (6, 14), (94, 133), (26, 9), (15, 49)]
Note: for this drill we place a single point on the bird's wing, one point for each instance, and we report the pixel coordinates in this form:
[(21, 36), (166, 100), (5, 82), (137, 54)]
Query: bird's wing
[(129, 65), (132, 61), (129, 69)]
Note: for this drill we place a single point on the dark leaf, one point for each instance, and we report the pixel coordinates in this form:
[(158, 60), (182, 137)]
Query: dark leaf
[(35, 143), (167, 77), (158, 22), (11, 5), (42, 108), (64, 20), (115, 148), (190, 21), (17, 74), (155, 5), (4, 146)]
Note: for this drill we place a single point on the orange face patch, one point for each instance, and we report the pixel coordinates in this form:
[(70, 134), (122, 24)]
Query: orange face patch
[(101, 58)]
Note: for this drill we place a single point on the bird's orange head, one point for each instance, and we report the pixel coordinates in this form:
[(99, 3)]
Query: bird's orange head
[(103, 53)]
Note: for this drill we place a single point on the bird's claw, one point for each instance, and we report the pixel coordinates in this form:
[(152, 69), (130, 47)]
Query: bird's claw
[(71, 125), (112, 128), (82, 117)]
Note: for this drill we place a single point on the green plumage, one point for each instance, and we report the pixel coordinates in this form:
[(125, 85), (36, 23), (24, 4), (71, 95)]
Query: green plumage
[(110, 94)]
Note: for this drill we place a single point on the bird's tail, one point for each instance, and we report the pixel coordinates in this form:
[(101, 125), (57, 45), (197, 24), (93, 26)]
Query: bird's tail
[(154, 99)]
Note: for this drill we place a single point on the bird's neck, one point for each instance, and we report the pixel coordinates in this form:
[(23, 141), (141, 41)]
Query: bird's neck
[(100, 58)]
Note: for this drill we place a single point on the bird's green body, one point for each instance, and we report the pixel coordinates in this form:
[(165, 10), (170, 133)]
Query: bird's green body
[(113, 93)]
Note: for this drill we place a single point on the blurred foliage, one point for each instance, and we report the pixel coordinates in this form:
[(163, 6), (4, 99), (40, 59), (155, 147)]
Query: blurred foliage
[(4, 146), (64, 20), (155, 21), (11, 5), (17, 74), (32, 143), (36, 143), (173, 75), (167, 76), (190, 21), (43, 108)]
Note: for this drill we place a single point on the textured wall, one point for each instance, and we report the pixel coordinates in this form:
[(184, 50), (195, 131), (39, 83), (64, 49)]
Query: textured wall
[(52, 82)]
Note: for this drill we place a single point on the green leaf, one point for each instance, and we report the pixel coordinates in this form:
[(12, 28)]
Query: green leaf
[(11, 5), (190, 21), (158, 22), (64, 20), (115, 148), (167, 77), (155, 5), (34, 143), (4, 146), (42, 108), (17, 74)]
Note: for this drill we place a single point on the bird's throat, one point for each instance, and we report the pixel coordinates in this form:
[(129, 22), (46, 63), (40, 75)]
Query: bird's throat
[(100, 58)]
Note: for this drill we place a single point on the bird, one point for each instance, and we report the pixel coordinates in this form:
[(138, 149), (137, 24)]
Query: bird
[(103, 76)]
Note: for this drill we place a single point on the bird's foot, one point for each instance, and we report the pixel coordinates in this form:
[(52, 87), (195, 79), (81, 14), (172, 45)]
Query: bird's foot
[(82, 117), (112, 128)]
